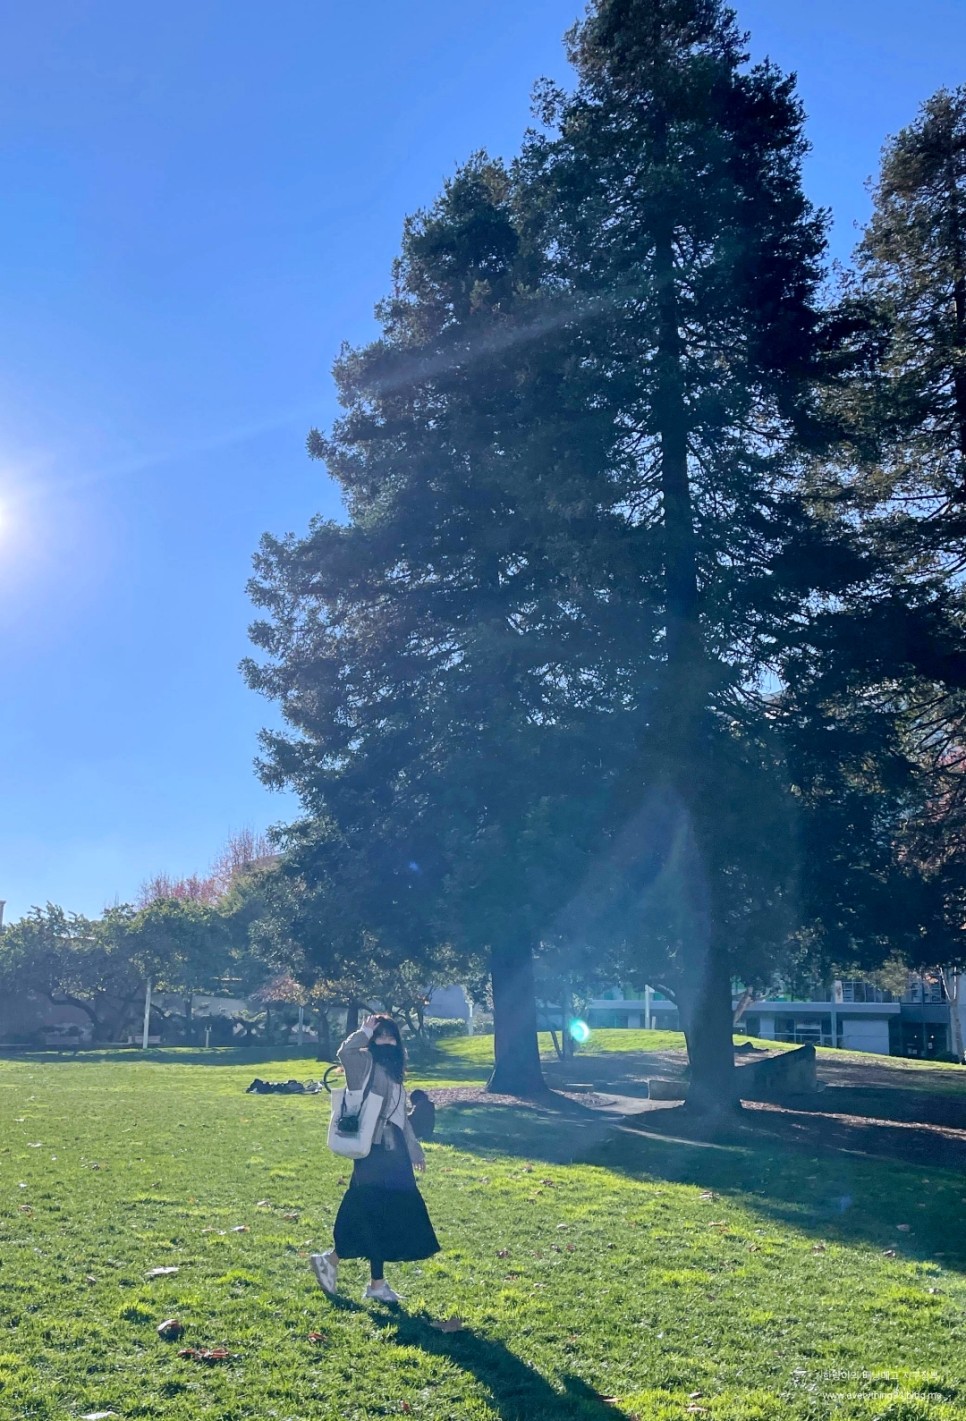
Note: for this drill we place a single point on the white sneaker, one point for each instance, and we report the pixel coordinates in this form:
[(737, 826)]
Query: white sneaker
[(325, 1271), (382, 1293)]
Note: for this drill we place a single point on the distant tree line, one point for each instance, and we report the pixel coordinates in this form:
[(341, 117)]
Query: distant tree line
[(211, 934)]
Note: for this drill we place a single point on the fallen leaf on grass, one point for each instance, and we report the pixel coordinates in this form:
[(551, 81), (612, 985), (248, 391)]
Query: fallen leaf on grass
[(90, 1278), (267, 1203), (503, 1253), (818, 1248), (695, 1395), (695, 1410), (97, 1415), (26, 1209), (452, 1324), (709, 1194), (903, 1228), (171, 1329), (563, 1226), (161, 1272), (206, 1354), (240, 1229), (571, 1248), (888, 1253), (318, 1337), (292, 1216)]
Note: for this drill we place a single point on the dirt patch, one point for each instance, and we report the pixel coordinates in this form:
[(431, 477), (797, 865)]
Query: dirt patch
[(478, 1095)]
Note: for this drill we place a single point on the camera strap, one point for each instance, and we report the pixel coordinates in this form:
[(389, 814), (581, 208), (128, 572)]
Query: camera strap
[(362, 1100)]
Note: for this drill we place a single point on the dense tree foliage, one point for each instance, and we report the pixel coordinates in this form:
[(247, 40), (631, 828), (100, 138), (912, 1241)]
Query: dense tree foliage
[(74, 961), (523, 678)]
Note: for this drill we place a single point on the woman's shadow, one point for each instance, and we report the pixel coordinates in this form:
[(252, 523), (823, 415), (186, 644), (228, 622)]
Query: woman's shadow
[(517, 1391)]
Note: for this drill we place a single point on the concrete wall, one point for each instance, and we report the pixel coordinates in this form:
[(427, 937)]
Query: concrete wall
[(865, 1034)]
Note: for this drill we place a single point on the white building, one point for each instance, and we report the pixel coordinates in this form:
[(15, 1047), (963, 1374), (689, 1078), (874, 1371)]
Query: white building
[(853, 1015)]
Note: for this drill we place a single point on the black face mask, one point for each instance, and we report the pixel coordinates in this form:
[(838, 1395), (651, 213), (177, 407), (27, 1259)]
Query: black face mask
[(390, 1058)]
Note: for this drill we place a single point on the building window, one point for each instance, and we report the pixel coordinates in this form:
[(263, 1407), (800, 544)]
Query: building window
[(856, 990), (805, 1030)]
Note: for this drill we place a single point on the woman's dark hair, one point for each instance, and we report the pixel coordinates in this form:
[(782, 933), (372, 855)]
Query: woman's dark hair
[(392, 1059)]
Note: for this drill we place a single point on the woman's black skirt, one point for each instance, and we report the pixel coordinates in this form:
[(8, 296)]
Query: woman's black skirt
[(382, 1214)]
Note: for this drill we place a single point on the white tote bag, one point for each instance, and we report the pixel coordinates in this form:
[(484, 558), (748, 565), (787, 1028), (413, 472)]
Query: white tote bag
[(352, 1123)]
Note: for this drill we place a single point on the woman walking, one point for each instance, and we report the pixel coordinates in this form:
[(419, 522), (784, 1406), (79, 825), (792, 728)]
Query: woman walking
[(382, 1216)]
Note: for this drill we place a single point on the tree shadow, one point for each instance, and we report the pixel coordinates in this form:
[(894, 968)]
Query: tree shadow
[(517, 1392), (886, 1105), (851, 1180), (532, 1129)]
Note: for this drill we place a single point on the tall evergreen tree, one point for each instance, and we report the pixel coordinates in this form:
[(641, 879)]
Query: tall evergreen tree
[(668, 195), (912, 261), (436, 655), (907, 490)]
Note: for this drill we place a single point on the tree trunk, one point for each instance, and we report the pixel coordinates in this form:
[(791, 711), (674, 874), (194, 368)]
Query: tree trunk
[(324, 1051), (952, 982), (567, 1039), (516, 1069), (683, 708), (706, 1015), (66, 1000), (748, 997), (352, 1018)]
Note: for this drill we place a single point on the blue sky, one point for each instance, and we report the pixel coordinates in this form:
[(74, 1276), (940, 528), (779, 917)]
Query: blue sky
[(200, 202)]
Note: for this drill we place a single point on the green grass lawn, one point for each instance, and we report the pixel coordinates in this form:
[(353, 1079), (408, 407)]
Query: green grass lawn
[(601, 1272)]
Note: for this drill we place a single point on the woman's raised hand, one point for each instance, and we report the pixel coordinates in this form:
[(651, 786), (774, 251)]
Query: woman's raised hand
[(370, 1022)]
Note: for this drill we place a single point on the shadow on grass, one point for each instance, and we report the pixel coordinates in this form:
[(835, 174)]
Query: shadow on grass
[(517, 1391), (848, 1180)]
